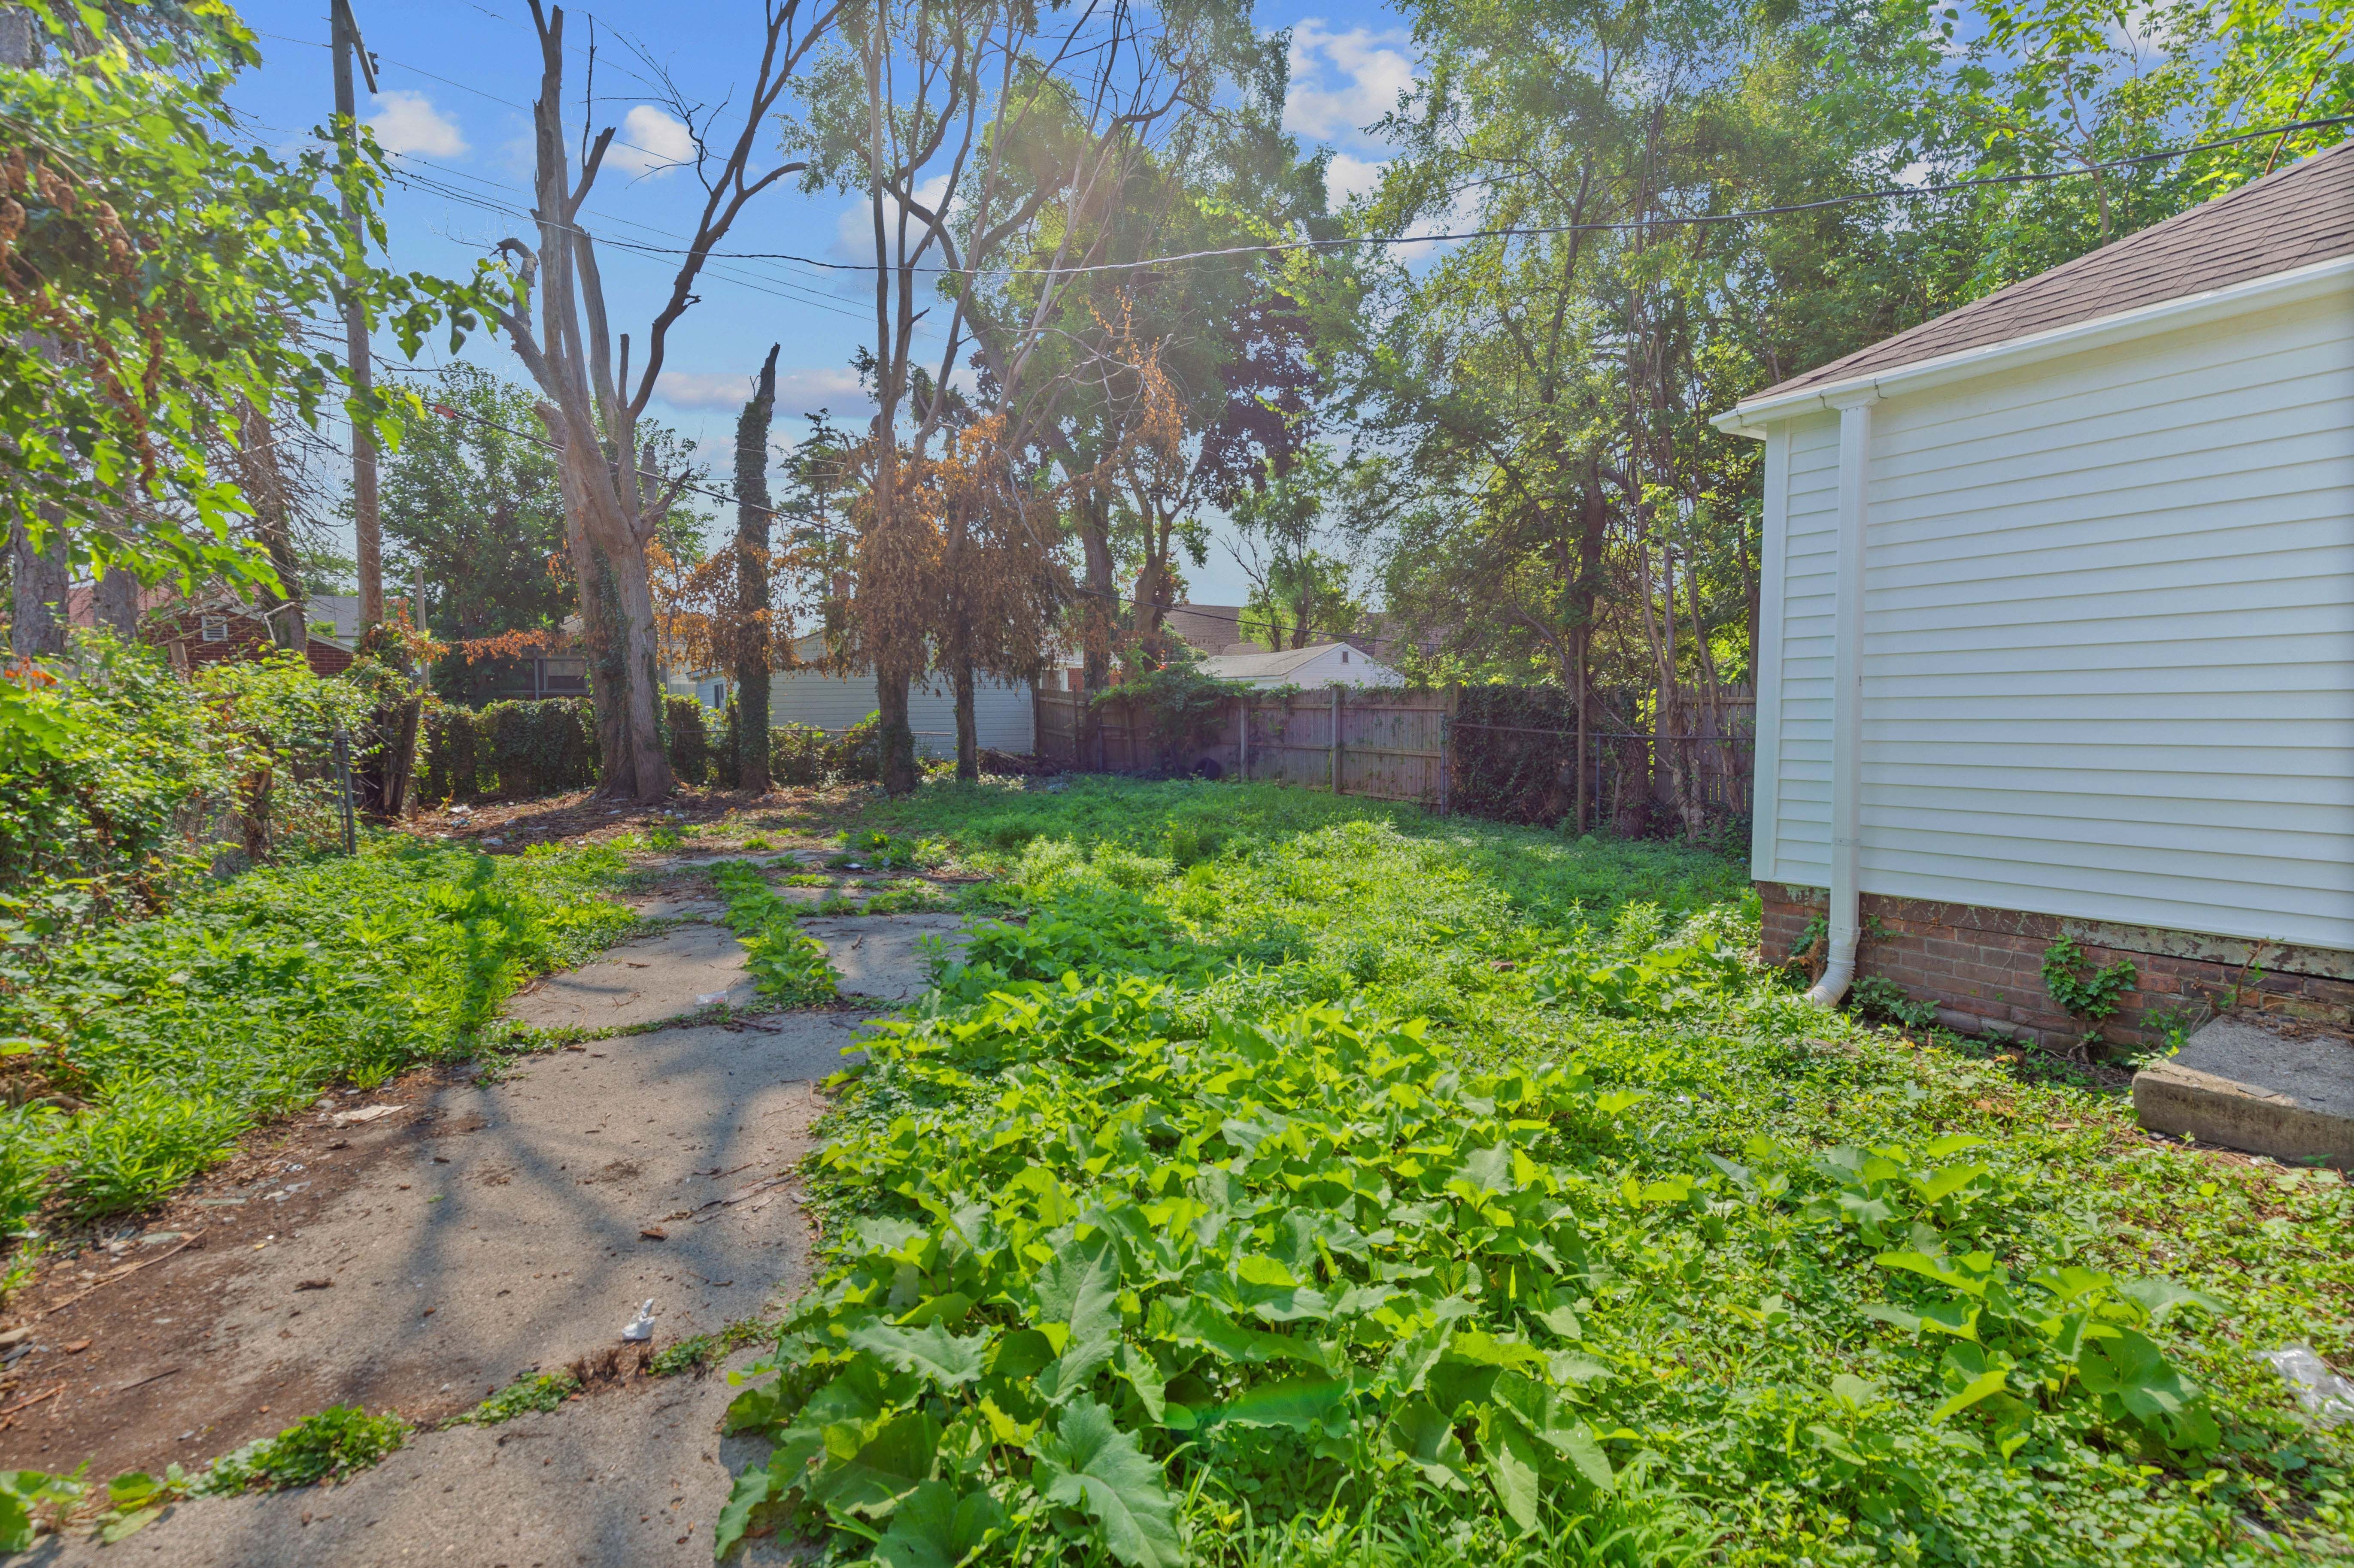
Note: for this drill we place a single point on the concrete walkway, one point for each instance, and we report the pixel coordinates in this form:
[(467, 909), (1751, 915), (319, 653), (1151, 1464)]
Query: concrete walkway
[(480, 1230)]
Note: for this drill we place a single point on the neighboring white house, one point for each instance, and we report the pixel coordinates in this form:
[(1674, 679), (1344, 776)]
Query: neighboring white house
[(2056, 631), (1322, 664), (1005, 712)]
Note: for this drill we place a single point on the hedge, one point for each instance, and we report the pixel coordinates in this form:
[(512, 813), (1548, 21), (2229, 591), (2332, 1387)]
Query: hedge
[(517, 750)]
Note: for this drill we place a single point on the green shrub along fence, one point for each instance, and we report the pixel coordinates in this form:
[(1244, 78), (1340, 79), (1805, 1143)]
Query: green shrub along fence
[(519, 750), (514, 750)]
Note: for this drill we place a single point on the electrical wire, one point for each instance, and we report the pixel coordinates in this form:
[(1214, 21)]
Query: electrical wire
[(1531, 231)]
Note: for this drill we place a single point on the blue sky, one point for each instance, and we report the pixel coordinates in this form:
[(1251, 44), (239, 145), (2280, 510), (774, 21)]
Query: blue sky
[(456, 77)]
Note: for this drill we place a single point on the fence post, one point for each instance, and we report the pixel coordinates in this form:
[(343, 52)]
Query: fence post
[(1446, 747), (1336, 737), (343, 784), (1241, 738)]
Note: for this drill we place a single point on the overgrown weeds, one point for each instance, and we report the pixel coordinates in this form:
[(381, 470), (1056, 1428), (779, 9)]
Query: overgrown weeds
[(788, 965), (175, 1034), (1374, 1190), (317, 1448)]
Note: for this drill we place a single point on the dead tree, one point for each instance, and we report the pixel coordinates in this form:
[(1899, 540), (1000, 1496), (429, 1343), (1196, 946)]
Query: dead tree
[(613, 503), (752, 545)]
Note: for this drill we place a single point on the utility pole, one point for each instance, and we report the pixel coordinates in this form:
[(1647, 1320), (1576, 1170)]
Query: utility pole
[(368, 533)]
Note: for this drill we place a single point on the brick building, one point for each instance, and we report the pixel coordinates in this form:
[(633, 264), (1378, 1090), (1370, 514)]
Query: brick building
[(218, 627)]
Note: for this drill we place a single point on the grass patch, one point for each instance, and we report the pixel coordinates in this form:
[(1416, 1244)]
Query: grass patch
[(537, 1390), (317, 1448), (698, 1352), (786, 964), (1310, 1180), (182, 1032), (872, 848)]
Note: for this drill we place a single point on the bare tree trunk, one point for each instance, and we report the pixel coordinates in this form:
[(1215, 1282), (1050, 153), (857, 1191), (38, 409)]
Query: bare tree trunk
[(1594, 517), (1584, 638), (650, 777), (1095, 543), (591, 408), (599, 608), (284, 609), (897, 740), (752, 583), (38, 629), (968, 730), (115, 604)]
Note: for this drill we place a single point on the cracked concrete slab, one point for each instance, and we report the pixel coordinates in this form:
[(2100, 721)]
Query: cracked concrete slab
[(2288, 1093), (672, 906), (886, 956), (630, 1477), (668, 975), (491, 1228)]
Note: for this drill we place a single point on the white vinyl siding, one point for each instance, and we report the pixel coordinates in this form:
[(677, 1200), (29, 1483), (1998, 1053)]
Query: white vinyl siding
[(1799, 708), (1340, 664), (1002, 711), (2108, 638)]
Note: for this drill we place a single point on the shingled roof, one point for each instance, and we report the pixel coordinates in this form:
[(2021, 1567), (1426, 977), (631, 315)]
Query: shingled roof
[(2290, 218)]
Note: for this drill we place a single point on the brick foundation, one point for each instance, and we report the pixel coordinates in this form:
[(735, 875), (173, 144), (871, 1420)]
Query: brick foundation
[(1984, 967)]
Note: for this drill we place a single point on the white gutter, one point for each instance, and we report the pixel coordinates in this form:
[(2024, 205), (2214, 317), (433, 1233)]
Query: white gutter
[(1847, 696), (2322, 278)]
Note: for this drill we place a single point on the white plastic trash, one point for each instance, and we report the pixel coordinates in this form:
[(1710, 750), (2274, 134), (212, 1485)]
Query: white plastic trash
[(2326, 1396), (641, 1327)]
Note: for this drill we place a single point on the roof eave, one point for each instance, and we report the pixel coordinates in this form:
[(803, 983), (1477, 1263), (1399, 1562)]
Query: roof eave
[(1752, 417)]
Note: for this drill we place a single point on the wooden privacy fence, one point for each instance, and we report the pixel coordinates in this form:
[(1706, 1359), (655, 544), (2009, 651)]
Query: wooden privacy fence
[(1507, 753)]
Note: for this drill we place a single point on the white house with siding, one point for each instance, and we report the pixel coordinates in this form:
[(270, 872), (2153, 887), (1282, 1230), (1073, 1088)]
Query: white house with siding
[(2056, 632), (1311, 668), (1003, 712)]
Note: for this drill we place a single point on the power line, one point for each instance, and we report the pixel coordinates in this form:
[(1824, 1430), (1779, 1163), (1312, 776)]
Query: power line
[(1270, 248), (776, 288), (1533, 231)]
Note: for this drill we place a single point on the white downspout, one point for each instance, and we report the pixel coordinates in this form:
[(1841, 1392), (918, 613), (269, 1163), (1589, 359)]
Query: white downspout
[(1847, 696)]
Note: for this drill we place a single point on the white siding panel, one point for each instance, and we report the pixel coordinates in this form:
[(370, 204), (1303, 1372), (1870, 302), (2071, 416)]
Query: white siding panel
[(1799, 848), (1773, 577), (2108, 637), (1002, 711)]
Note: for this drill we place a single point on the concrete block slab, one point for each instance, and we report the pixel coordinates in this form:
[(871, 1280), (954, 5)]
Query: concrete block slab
[(681, 970), (2241, 1083), (884, 956)]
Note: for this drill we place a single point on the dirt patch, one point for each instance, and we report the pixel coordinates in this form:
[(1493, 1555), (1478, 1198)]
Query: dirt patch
[(787, 818), (423, 1258)]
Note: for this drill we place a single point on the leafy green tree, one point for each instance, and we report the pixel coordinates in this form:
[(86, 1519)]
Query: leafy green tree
[(1535, 464), (472, 503), (2063, 84), (152, 264), (1301, 600), (1299, 592), (2277, 64), (1057, 137)]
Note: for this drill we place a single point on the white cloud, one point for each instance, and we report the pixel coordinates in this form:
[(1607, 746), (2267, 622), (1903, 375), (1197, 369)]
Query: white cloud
[(854, 237), (1463, 216), (408, 122), (1342, 82), (727, 391), (650, 143), (1346, 177)]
